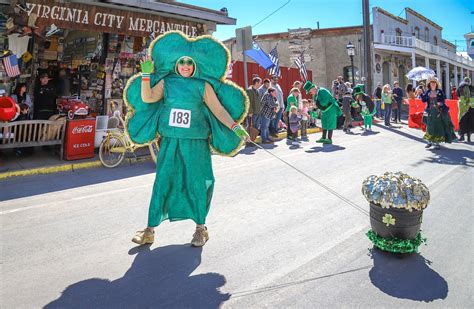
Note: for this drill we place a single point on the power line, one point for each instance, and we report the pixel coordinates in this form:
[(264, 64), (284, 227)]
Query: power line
[(271, 14)]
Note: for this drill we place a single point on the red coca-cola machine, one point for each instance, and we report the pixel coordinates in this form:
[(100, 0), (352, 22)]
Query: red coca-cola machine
[(80, 135)]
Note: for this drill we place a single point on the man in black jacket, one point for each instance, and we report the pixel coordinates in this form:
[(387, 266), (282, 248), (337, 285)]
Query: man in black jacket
[(254, 103), (378, 100), (45, 99), (398, 97)]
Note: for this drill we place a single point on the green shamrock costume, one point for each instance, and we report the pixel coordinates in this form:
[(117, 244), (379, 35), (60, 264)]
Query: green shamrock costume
[(329, 108), (188, 130), (466, 109)]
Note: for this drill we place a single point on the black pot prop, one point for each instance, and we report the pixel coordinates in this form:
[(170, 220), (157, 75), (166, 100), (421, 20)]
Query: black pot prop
[(396, 207)]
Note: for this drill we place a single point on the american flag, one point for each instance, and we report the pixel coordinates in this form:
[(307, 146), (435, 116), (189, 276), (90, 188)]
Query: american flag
[(274, 58), (302, 67), (11, 66)]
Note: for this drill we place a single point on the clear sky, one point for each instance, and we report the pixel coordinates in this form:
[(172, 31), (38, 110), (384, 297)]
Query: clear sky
[(453, 15)]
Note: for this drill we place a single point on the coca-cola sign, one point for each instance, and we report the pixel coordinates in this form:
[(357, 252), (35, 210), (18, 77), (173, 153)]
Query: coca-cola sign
[(80, 135), (82, 129)]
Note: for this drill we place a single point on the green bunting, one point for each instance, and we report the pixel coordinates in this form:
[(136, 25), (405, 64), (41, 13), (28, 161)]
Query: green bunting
[(396, 245)]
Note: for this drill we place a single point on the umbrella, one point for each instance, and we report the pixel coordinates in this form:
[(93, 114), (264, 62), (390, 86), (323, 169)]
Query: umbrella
[(420, 73)]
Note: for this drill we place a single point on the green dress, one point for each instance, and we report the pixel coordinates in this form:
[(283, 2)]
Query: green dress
[(188, 130), (329, 107), (291, 101), (439, 127)]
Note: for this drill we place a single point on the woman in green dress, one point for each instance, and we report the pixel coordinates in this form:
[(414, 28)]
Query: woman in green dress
[(182, 97), (439, 127)]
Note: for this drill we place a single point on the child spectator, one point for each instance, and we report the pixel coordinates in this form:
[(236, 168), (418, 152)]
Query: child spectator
[(294, 119), (304, 119), (367, 115)]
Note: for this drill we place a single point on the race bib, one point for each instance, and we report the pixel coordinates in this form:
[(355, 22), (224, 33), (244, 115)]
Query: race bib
[(180, 118)]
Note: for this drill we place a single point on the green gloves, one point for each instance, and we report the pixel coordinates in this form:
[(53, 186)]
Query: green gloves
[(147, 67), (240, 132)]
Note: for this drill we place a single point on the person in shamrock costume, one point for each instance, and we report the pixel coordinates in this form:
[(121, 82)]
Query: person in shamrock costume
[(465, 93), (368, 108), (329, 107), (183, 98)]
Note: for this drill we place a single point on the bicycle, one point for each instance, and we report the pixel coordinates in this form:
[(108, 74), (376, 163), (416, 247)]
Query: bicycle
[(117, 144)]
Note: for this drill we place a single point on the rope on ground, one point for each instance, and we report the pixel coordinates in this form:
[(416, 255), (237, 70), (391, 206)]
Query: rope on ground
[(341, 197)]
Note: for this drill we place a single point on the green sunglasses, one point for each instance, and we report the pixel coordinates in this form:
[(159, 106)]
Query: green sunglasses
[(188, 61)]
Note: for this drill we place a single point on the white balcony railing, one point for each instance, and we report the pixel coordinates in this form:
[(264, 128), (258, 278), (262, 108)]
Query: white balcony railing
[(412, 42)]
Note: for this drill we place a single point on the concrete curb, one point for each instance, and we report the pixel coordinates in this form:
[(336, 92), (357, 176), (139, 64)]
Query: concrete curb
[(50, 169), (282, 135), (96, 163)]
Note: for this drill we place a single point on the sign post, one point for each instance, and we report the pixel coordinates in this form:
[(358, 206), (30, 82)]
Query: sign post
[(243, 37)]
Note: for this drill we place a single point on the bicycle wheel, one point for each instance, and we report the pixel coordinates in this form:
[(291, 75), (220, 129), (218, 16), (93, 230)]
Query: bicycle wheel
[(154, 149), (112, 151)]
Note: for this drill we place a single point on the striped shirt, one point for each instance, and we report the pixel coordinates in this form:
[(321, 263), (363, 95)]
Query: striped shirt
[(268, 106)]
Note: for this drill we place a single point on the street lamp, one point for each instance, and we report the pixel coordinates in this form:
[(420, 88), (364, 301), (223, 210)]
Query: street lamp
[(351, 53)]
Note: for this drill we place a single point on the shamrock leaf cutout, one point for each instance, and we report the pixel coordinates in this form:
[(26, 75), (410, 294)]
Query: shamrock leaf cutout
[(388, 219)]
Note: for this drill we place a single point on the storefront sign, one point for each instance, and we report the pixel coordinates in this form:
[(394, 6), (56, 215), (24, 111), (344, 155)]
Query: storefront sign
[(80, 135), (104, 19)]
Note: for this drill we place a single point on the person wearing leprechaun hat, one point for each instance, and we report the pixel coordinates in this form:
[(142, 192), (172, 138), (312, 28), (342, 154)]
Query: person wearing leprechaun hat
[(329, 107), (183, 98), (368, 108)]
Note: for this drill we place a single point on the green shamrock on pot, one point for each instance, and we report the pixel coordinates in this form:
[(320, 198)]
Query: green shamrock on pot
[(388, 219)]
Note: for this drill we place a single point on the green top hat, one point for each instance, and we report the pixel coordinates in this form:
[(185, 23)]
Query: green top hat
[(308, 86), (359, 89)]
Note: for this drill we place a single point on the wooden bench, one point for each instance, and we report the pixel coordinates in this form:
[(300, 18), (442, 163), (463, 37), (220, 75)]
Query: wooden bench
[(32, 133)]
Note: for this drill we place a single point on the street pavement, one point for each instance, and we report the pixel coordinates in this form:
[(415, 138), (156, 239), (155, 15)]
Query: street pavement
[(277, 239)]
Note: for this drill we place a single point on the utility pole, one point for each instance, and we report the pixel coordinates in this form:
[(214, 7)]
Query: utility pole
[(367, 44)]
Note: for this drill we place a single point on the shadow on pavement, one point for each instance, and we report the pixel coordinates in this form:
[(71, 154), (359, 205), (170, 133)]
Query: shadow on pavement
[(19, 187), (395, 130), (451, 156), (250, 149), (367, 133), (325, 148), (158, 278), (408, 278)]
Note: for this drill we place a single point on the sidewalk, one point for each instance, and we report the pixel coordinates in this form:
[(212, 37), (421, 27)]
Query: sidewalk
[(47, 161), (41, 161)]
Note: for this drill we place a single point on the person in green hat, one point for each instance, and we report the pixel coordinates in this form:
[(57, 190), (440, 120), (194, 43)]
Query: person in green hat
[(183, 98), (329, 107), (292, 100), (368, 109)]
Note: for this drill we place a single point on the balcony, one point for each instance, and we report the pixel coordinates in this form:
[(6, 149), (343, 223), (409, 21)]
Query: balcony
[(413, 42)]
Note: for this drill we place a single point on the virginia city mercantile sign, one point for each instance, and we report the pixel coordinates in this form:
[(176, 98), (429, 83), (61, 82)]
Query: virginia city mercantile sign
[(105, 19)]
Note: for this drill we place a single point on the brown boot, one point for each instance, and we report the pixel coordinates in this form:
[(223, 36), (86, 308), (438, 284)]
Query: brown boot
[(144, 237), (200, 237)]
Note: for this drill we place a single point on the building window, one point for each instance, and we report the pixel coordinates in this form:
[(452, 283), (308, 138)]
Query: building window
[(398, 36), (435, 40), (417, 32), (348, 73), (427, 34)]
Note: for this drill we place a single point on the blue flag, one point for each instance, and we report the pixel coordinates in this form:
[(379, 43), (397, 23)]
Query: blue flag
[(259, 56)]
